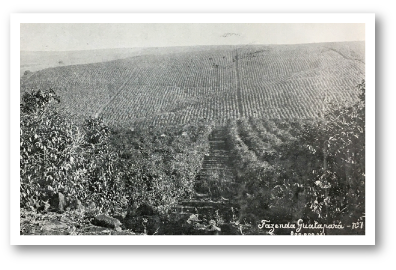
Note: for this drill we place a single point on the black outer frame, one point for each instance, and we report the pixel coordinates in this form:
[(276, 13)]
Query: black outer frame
[(384, 19)]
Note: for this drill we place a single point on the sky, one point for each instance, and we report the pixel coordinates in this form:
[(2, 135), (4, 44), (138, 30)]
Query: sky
[(73, 36)]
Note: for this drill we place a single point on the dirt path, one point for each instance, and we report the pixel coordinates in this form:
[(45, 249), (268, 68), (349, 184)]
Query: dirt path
[(98, 112), (238, 85), (345, 57), (216, 181)]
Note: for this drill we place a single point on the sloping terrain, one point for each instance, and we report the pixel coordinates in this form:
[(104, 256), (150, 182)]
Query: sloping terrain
[(166, 87)]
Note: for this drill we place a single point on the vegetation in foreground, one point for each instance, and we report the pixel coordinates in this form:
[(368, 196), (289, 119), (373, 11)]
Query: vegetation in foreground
[(317, 174), (314, 171)]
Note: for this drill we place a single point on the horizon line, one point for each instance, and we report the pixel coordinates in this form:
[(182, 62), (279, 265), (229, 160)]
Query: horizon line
[(206, 45)]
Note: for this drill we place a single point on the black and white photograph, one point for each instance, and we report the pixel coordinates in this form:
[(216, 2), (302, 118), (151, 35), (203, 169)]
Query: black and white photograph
[(193, 129)]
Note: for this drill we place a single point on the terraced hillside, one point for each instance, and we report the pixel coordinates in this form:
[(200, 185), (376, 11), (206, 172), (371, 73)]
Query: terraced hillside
[(216, 83)]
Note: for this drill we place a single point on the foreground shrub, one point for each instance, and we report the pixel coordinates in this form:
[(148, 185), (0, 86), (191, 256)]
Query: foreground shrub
[(115, 171), (319, 176), (50, 154)]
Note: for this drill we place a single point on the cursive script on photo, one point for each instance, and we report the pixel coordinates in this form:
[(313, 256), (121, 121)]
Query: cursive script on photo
[(300, 225)]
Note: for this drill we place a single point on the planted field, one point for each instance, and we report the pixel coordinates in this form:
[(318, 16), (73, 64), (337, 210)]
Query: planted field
[(212, 139), (169, 105), (254, 140), (185, 85), (295, 81)]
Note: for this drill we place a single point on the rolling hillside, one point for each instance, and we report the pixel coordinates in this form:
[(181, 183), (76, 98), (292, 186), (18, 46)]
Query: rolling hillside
[(213, 139), (169, 86)]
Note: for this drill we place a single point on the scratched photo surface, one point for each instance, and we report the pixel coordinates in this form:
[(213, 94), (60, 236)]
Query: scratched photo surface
[(192, 129)]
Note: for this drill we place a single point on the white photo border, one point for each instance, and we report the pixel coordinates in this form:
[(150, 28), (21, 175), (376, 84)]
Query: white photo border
[(16, 19)]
